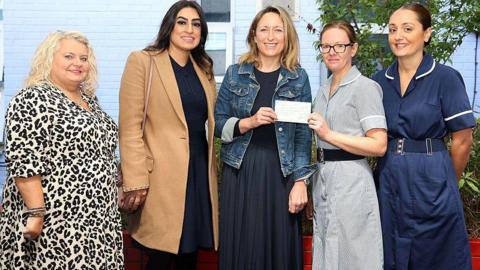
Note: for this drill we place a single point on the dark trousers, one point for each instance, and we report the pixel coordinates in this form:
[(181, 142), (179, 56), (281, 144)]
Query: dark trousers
[(159, 260)]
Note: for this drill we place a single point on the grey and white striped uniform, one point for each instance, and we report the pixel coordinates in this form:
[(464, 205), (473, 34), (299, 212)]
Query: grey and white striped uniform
[(347, 231)]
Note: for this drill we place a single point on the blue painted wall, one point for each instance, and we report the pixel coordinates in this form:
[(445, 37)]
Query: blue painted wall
[(464, 61)]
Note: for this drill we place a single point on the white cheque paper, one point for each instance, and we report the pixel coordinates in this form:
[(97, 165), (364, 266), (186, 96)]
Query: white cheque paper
[(292, 111)]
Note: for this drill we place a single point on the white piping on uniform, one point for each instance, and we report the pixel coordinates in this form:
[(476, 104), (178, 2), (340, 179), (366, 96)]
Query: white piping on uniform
[(457, 115), (372, 116), (426, 73), (356, 77), (386, 74)]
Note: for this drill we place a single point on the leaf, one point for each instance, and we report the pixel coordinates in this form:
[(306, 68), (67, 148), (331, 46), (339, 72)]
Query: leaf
[(461, 183), (451, 22), (473, 187)]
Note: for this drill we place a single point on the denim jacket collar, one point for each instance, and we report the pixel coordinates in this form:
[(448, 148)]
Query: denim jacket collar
[(285, 74)]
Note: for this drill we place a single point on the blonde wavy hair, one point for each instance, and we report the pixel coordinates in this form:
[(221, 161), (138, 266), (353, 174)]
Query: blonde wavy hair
[(43, 59), (289, 57)]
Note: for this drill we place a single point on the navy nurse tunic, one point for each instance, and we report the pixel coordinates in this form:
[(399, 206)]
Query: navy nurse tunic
[(421, 211)]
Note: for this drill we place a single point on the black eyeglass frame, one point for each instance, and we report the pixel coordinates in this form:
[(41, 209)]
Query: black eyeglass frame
[(330, 47)]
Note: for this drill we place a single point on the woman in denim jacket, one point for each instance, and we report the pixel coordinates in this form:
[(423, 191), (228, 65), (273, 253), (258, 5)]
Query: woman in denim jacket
[(265, 161)]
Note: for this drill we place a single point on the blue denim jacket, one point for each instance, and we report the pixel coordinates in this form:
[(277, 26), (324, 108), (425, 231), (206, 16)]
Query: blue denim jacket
[(235, 101)]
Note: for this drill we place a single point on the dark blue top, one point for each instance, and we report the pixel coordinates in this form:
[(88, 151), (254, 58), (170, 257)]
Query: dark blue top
[(194, 102), (435, 102), (264, 135), (197, 231)]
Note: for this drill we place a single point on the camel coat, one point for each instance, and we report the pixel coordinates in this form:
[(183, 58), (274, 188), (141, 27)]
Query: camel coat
[(159, 160)]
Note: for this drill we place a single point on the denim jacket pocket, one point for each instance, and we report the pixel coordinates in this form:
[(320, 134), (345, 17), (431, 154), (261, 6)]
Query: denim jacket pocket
[(239, 90), (240, 96), (289, 92)]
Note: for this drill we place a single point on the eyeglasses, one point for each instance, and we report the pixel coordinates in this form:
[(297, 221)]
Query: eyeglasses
[(338, 48)]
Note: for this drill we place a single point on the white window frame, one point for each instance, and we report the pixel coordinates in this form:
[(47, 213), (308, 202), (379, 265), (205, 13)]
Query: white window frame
[(227, 29), (295, 17)]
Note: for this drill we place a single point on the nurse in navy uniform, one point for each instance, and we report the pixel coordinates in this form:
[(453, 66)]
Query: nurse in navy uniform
[(421, 210)]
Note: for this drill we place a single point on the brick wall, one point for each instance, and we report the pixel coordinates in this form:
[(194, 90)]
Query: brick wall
[(464, 60), (206, 260), (116, 28), (475, 249)]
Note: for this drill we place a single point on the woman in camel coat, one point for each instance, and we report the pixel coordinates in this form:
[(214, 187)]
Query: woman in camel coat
[(169, 171)]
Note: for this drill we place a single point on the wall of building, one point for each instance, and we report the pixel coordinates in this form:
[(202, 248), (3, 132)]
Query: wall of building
[(245, 10), (116, 28), (464, 61), (114, 31)]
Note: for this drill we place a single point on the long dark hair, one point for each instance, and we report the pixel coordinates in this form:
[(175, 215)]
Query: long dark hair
[(166, 27)]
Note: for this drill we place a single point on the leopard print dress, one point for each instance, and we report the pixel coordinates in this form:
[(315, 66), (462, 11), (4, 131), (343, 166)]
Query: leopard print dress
[(74, 152)]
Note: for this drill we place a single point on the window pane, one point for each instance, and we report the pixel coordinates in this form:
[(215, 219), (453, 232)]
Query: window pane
[(216, 10), (216, 47), (288, 5)]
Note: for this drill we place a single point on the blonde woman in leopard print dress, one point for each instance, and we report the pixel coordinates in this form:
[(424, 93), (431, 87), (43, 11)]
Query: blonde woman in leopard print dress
[(60, 200)]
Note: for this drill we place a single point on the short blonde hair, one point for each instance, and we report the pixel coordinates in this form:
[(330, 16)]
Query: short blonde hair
[(43, 59), (289, 57)]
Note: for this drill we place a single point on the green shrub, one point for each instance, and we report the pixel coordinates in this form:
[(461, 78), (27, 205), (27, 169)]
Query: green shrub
[(469, 186)]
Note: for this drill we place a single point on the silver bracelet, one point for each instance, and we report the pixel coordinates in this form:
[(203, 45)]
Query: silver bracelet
[(36, 212)]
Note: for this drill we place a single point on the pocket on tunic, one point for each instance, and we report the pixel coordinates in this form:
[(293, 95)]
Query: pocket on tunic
[(428, 116), (432, 201), (149, 163)]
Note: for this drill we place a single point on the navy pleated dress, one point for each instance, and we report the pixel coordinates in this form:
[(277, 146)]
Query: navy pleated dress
[(197, 223), (420, 205), (256, 230)]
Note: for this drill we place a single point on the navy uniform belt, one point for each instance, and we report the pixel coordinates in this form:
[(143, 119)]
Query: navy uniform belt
[(335, 155), (428, 146)]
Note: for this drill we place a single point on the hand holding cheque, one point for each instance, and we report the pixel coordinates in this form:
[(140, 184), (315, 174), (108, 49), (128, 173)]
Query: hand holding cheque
[(285, 111), (319, 125)]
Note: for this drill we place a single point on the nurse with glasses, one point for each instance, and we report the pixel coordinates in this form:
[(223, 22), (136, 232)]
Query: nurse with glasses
[(338, 48), (349, 124)]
